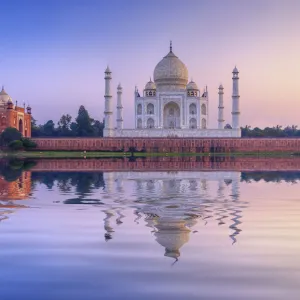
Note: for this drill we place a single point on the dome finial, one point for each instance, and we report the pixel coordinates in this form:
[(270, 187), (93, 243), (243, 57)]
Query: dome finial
[(171, 46)]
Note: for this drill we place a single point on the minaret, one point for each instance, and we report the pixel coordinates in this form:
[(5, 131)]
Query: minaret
[(235, 100), (119, 108), (108, 129), (221, 108)]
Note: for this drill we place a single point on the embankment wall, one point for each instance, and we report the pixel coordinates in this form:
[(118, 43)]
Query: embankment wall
[(171, 145)]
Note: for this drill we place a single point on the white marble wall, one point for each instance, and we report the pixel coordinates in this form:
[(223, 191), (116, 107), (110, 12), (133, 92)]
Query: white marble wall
[(184, 133)]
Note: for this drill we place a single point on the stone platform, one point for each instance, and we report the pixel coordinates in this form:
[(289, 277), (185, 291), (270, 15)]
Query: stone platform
[(171, 145)]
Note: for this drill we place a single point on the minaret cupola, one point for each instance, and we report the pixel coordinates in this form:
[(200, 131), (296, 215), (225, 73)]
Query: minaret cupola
[(150, 89), (28, 109)]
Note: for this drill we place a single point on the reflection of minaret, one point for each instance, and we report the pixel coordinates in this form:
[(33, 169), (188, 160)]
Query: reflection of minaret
[(119, 185), (107, 226), (235, 212), (222, 212), (120, 217), (108, 178)]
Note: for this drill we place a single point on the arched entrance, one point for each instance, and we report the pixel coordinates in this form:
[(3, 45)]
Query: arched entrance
[(150, 123), (171, 115), (21, 126), (193, 123)]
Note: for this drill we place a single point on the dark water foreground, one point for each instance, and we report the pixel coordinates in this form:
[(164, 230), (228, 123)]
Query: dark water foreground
[(140, 234)]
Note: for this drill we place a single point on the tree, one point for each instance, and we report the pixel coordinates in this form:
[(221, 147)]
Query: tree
[(84, 123), (64, 125), (98, 128), (10, 134), (48, 128)]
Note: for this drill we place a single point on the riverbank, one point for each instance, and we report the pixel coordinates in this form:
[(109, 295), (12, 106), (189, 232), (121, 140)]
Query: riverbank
[(94, 154)]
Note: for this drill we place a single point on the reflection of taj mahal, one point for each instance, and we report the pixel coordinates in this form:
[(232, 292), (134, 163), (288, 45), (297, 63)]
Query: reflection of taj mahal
[(170, 106), (172, 204)]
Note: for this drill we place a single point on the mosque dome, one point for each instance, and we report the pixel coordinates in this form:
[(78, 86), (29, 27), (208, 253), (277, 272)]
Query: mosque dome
[(4, 97), (150, 85), (192, 86), (171, 71)]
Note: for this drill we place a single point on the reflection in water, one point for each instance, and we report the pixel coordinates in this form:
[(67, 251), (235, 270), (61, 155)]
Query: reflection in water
[(172, 204), (83, 234)]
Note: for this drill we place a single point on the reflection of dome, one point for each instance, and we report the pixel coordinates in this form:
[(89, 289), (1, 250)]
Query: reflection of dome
[(172, 234), (150, 85), (192, 86), (171, 71)]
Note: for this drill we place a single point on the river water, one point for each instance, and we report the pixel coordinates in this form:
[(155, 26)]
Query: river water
[(130, 234)]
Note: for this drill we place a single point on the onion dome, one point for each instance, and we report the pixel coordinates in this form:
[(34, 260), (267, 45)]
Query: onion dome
[(192, 86), (221, 87), (119, 88), (4, 97), (171, 72), (150, 85)]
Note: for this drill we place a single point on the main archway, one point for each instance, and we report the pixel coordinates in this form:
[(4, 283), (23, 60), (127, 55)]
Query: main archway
[(171, 115)]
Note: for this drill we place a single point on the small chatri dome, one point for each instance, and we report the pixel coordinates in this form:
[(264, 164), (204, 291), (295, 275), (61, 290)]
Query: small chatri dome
[(150, 85), (192, 86)]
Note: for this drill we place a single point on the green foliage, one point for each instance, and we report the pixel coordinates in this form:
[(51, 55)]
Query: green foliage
[(15, 145), (84, 123), (83, 126), (12, 169), (64, 125), (10, 134), (28, 144), (271, 132)]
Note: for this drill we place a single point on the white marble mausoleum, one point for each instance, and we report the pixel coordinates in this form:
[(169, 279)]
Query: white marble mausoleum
[(170, 106)]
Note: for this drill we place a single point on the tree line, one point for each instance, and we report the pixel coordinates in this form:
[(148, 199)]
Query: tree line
[(275, 131), (83, 125)]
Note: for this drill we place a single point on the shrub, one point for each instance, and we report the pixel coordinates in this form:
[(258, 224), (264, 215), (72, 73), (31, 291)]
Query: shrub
[(28, 144), (10, 134), (15, 145)]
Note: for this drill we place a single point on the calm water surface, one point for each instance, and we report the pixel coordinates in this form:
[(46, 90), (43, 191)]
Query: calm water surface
[(150, 235)]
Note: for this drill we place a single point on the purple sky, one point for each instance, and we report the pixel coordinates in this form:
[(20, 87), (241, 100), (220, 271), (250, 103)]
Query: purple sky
[(53, 53)]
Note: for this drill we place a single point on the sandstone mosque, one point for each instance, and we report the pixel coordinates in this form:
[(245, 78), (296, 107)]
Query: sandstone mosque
[(170, 106), (12, 115)]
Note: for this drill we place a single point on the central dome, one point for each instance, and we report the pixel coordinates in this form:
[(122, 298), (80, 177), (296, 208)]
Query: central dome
[(171, 72)]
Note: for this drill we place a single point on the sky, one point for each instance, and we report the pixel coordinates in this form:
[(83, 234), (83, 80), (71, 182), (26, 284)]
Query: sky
[(53, 53)]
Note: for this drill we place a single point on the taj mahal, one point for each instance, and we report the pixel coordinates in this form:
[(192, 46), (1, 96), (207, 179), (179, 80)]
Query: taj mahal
[(170, 106)]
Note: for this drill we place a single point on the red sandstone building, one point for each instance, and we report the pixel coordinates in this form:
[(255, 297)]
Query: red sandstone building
[(14, 116)]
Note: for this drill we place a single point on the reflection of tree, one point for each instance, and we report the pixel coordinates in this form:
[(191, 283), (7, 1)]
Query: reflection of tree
[(271, 176), (83, 182), (12, 169)]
